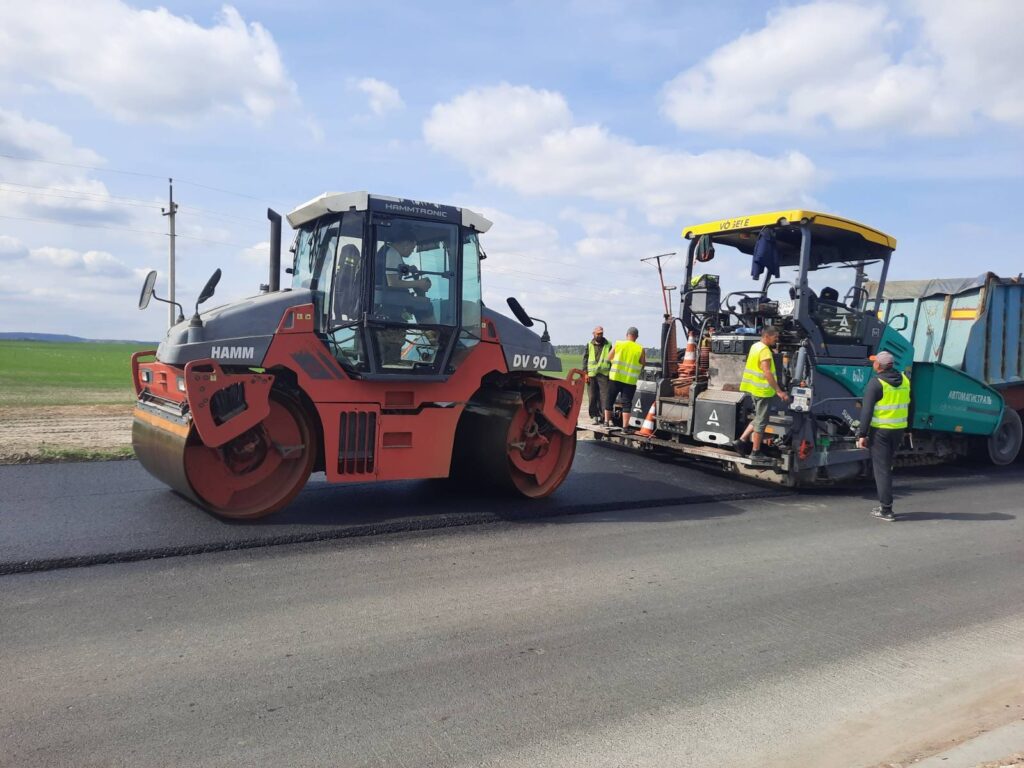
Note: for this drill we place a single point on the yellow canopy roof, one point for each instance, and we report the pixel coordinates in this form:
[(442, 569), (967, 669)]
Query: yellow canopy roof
[(826, 229)]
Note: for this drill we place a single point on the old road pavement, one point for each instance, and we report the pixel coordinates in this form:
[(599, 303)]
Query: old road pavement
[(646, 615)]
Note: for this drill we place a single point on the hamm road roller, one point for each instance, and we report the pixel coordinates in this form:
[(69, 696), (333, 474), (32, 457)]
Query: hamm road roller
[(379, 362)]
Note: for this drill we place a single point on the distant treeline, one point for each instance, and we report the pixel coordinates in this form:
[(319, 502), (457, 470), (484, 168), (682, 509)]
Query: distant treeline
[(63, 338), (653, 353)]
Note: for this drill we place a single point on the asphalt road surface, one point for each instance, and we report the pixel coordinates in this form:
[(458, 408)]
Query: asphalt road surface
[(648, 615)]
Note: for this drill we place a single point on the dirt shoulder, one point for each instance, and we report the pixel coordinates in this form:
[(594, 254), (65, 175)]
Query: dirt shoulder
[(90, 430), (48, 433)]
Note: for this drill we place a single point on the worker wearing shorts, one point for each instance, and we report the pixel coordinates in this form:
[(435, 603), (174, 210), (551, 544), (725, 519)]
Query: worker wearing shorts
[(627, 361), (760, 382)]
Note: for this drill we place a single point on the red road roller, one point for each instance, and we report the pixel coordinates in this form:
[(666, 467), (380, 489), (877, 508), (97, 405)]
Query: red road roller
[(379, 362)]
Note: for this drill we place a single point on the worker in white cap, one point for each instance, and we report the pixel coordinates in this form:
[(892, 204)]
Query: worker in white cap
[(884, 418)]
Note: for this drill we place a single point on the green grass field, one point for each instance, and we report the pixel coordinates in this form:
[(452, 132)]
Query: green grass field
[(55, 373), (576, 361), (569, 362)]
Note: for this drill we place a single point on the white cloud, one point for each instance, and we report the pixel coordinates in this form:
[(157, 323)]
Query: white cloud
[(383, 97), (32, 189), (526, 139), (12, 249), (839, 65), (979, 45), (24, 137), (472, 125), (145, 65), (256, 254), (573, 284), (93, 263)]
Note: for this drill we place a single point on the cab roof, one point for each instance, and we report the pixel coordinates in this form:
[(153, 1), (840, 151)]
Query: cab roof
[(833, 239), (336, 202)]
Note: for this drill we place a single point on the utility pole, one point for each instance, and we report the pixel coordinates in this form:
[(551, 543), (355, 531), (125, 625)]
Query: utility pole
[(169, 212)]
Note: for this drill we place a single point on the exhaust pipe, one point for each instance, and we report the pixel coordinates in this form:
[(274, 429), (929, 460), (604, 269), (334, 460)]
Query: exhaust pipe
[(275, 250)]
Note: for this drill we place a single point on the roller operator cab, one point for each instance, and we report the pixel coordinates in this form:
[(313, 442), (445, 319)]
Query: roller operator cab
[(379, 362), (819, 279)]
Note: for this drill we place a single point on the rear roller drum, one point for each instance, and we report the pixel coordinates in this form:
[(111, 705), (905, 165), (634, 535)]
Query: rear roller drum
[(253, 475), (514, 448)]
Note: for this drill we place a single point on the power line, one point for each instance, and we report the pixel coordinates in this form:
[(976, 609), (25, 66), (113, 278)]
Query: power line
[(224, 191), (80, 165), (82, 224), (98, 169), (81, 192), (215, 242), (97, 197), (79, 198), (219, 215), (120, 229)]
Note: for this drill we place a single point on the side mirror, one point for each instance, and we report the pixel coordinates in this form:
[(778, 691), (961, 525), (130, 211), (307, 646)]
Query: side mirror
[(208, 289), (899, 322), (519, 312), (147, 289)]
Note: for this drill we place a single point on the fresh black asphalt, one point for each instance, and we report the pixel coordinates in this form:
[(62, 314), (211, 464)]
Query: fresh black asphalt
[(67, 515)]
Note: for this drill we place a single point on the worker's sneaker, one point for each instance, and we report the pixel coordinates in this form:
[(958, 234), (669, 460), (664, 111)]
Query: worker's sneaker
[(596, 420), (883, 514), (759, 459)]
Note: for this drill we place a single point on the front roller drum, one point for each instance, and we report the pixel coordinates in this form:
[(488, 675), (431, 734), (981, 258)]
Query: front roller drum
[(253, 475), (513, 449)]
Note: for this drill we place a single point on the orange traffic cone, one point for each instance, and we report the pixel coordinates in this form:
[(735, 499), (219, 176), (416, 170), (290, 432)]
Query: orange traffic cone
[(689, 367), (648, 428)]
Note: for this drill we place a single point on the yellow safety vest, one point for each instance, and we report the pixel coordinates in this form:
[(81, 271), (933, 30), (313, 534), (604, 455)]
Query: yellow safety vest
[(626, 365), (597, 362), (754, 380), (892, 411)]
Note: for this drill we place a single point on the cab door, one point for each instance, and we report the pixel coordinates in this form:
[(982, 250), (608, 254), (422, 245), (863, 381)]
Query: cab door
[(414, 318)]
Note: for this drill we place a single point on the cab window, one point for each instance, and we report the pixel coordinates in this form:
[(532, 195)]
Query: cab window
[(471, 292), (415, 298)]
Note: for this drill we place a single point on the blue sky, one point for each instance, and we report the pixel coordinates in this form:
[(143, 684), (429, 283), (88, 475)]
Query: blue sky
[(591, 132)]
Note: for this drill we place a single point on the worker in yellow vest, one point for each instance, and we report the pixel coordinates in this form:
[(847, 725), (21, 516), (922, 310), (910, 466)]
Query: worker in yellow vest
[(626, 361), (884, 418), (760, 381), (595, 363)]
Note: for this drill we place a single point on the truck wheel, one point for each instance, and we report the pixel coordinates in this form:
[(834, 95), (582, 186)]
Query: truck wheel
[(1004, 443)]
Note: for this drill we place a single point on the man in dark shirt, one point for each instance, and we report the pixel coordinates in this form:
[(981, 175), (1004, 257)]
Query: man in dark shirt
[(595, 363), (883, 422)]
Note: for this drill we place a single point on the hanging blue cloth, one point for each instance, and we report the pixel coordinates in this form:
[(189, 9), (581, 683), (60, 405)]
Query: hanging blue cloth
[(766, 255)]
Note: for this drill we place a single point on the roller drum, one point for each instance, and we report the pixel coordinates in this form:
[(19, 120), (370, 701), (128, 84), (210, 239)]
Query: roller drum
[(159, 445), (255, 474), (512, 449)]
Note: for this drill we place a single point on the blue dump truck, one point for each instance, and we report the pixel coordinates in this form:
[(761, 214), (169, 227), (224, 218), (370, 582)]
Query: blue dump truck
[(964, 327), (821, 280)]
